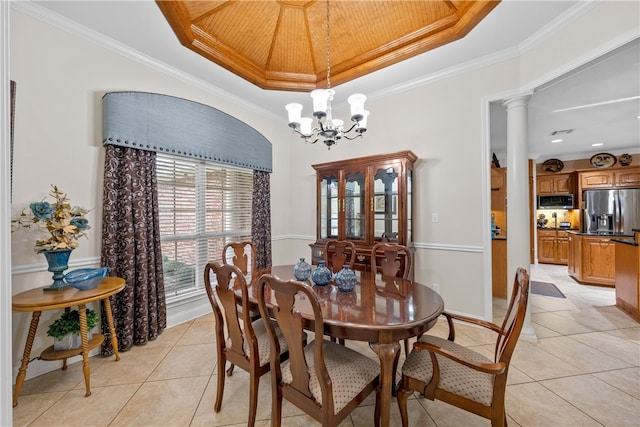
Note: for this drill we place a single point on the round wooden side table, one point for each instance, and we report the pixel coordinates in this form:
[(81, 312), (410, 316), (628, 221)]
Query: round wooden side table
[(37, 300)]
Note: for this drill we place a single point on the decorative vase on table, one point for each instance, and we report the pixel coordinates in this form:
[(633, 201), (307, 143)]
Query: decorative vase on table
[(58, 262), (302, 270), (346, 279), (321, 275)]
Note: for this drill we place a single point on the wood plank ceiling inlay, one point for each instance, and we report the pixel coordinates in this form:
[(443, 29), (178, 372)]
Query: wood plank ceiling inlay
[(281, 44)]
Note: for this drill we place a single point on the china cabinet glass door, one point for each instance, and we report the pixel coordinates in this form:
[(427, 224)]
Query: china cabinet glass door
[(385, 204), (354, 206), (329, 207)]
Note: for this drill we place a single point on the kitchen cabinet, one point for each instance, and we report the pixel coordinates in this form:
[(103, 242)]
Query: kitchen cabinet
[(596, 258), (546, 246), (497, 178), (364, 200), (596, 179), (628, 277), (575, 255), (499, 267), (562, 247), (555, 184), (499, 197), (553, 246), (628, 177)]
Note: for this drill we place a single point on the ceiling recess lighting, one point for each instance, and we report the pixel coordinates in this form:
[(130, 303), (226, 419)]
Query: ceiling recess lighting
[(597, 144), (556, 140), (327, 128)]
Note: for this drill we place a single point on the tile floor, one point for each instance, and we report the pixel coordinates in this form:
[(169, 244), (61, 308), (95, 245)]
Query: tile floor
[(583, 371)]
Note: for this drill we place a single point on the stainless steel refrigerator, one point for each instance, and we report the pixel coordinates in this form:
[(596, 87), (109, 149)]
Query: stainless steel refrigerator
[(611, 211)]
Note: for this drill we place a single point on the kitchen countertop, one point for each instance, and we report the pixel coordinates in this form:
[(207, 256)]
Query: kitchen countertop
[(558, 228), (626, 241), (613, 235)]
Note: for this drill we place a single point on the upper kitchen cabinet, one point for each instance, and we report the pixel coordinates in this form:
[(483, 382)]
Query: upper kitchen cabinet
[(497, 178), (596, 179), (628, 177), (365, 200), (556, 184)]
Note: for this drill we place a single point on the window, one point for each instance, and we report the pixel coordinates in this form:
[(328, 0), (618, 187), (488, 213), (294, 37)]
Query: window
[(202, 206)]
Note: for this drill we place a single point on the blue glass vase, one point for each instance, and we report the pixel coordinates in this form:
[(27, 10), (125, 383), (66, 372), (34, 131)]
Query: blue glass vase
[(321, 275), (302, 270), (58, 262), (346, 279)]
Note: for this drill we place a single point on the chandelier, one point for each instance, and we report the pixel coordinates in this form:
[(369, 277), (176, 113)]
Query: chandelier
[(327, 128)]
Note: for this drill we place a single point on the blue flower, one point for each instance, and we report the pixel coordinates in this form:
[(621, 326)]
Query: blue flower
[(42, 210), (81, 224)]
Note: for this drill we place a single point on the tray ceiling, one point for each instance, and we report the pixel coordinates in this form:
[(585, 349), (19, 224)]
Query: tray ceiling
[(281, 44)]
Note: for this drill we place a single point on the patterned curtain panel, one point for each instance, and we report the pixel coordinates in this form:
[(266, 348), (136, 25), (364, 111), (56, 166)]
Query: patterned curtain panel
[(131, 246), (261, 220)]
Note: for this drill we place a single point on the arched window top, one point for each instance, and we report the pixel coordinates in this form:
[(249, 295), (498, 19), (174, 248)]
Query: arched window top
[(166, 124)]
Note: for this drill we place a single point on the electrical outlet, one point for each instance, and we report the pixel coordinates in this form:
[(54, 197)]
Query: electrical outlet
[(434, 217), (436, 287)]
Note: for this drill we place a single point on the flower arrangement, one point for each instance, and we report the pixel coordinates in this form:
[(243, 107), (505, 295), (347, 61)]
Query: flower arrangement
[(64, 223)]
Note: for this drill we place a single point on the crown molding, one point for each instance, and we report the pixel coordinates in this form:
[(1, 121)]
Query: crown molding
[(39, 12)]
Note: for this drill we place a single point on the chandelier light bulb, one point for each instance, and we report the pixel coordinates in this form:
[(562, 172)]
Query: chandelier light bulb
[(362, 124), (295, 112), (357, 106), (321, 99), (305, 126)]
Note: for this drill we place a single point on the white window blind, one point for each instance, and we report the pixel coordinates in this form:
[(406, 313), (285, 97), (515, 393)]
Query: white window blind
[(202, 207)]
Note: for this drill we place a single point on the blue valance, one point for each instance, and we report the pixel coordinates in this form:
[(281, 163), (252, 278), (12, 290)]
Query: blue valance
[(166, 124)]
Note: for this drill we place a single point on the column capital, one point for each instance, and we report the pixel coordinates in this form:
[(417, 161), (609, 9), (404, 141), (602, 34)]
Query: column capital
[(516, 101)]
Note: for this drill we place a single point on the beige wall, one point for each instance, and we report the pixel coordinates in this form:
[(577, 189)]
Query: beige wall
[(61, 78)]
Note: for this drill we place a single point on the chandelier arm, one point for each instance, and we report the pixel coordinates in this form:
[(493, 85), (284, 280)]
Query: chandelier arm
[(351, 139), (313, 131), (351, 128)]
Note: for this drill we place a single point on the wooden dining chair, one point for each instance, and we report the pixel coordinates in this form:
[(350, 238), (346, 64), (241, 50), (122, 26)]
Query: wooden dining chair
[(324, 379), (243, 256), (391, 259), (441, 369), (247, 344), (338, 253)]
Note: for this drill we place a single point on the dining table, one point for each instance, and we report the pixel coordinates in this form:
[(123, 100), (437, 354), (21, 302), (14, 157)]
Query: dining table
[(382, 311)]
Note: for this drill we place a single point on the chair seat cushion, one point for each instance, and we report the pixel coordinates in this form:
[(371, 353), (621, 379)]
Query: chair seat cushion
[(264, 343), (454, 377), (349, 370)]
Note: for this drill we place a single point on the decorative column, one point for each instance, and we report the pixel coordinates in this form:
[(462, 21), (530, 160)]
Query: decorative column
[(518, 240)]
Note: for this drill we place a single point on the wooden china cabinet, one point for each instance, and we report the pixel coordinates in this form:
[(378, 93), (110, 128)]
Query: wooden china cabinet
[(365, 200)]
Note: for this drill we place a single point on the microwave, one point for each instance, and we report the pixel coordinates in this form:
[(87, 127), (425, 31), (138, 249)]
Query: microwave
[(556, 201)]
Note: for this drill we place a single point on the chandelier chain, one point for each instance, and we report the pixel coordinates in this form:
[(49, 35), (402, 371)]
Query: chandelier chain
[(328, 129), (328, 49)]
